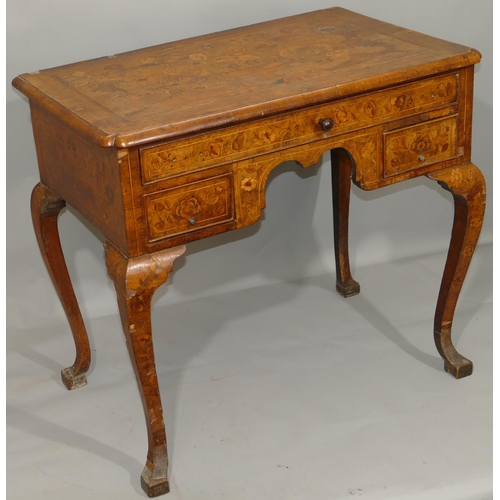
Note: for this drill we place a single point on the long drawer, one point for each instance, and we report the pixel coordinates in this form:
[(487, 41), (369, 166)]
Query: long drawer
[(179, 157)]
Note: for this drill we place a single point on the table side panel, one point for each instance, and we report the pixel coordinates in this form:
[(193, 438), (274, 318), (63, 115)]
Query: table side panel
[(85, 175)]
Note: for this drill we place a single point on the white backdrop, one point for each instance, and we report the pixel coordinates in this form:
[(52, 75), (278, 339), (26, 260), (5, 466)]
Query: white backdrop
[(294, 237)]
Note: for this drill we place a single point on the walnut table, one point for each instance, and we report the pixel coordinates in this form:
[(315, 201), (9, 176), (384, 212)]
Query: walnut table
[(169, 144)]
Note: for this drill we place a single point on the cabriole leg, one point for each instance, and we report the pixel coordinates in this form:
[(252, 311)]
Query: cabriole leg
[(45, 208), (341, 191), (466, 183), (136, 280)]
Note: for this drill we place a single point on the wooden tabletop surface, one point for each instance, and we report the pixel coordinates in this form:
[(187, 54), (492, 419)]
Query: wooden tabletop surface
[(214, 80)]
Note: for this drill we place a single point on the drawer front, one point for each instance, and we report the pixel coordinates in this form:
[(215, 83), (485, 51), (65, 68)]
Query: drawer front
[(189, 208), (413, 147), (238, 142)]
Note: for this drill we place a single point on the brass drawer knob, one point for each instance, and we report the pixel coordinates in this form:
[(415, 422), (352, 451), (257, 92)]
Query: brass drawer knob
[(326, 124), (192, 221), (421, 158)]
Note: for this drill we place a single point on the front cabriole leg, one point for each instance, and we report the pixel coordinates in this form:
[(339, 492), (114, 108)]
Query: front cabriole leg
[(136, 280), (466, 183)]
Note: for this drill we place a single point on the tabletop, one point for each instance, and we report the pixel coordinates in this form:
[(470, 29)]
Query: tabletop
[(206, 82)]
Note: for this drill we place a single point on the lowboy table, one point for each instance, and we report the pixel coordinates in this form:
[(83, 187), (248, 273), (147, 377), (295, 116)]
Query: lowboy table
[(169, 144)]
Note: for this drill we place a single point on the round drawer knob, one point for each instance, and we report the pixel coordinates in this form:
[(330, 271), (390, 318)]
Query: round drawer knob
[(421, 158), (326, 124), (192, 221)]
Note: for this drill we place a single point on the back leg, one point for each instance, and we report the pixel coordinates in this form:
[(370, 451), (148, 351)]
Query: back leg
[(45, 208), (341, 191)]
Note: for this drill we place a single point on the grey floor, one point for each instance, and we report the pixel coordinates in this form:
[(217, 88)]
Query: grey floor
[(277, 392)]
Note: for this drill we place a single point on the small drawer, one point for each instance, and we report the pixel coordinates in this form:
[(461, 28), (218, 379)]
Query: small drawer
[(191, 207), (419, 145)]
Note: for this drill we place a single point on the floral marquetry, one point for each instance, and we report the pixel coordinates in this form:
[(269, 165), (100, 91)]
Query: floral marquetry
[(234, 143), (252, 175), (248, 183), (205, 203), (410, 147)]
